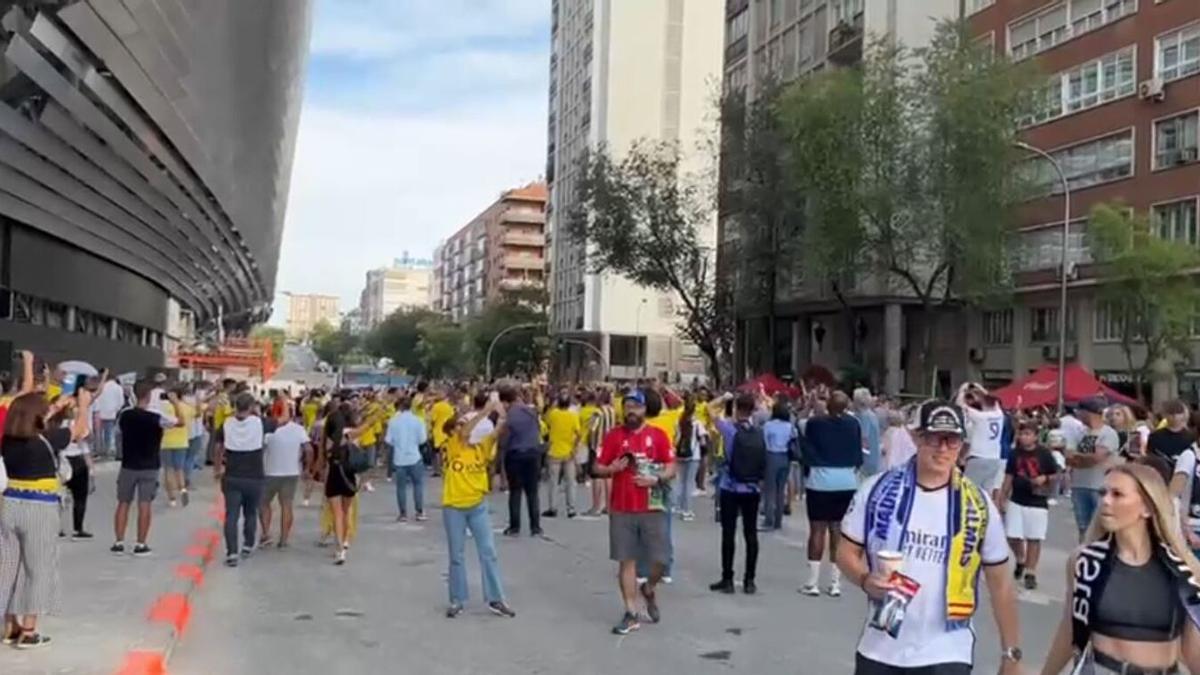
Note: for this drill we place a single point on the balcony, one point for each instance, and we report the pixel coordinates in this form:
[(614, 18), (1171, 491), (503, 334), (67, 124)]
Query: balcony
[(518, 262), (524, 239), (524, 216), (846, 42), (518, 284)]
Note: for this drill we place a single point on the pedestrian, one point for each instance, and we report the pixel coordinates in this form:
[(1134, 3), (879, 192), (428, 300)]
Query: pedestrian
[(1090, 461), (690, 440), (640, 461), (405, 435), (897, 446), (31, 456), (440, 412), (108, 404), (175, 448), (1132, 585), (286, 452), (1024, 501), (79, 487), (916, 541), (315, 474), (1171, 440), (239, 467), (780, 434), (464, 491), (739, 477), (985, 427), (341, 482), (564, 432), (142, 429), (868, 421), (600, 424), (193, 403), (520, 447), (833, 452)]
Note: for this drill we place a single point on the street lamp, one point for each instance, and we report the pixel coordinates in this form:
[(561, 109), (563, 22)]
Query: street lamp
[(637, 337), (599, 354), (1062, 301), (506, 331)]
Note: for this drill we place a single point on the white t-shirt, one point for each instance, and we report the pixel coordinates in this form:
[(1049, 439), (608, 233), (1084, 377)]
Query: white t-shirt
[(923, 639), (1073, 431), (110, 400), (243, 435), (281, 456), (481, 430), (984, 429), (1186, 465)]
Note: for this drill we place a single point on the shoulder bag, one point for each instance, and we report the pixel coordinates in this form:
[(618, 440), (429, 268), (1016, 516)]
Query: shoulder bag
[(62, 464)]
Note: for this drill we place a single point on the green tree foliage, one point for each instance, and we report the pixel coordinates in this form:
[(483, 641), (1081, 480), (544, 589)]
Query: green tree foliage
[(445, 351), (398, 336), (642, 216), (908, 167), (520, 351), (333, 345), (277, 336), (1148, 283)]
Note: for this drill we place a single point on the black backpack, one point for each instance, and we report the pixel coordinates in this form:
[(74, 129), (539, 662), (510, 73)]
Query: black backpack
[(749, 461)]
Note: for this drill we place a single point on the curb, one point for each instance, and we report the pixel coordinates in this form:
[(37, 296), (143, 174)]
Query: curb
[(171, 611)]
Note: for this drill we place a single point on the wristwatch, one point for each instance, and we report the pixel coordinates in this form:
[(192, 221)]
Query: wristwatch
[(1012, 654)]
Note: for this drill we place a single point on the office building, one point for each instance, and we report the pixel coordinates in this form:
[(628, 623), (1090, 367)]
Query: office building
[(404, 285), (621, 72), (501, 249), (1122, 118), (145, 159), (305, 311)]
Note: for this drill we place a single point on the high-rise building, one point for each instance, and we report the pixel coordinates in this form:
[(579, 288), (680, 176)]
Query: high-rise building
[(1122, 118), (305, 311), (779, 41), (404, 285), (145, 159), (621, 72), (501, 249)]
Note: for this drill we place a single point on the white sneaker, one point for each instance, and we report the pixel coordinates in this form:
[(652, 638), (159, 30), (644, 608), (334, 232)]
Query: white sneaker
[(641, 580), (1052, 502), (699, 493), (668, 580), (835, 590), (688, 516), (811, 589)]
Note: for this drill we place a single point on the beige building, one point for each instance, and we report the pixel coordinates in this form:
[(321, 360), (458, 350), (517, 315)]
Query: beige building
[(501, 249), (620, 72), (404, 285), (305, 311)]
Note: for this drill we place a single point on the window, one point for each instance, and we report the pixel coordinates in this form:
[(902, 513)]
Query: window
[(1087, 164), (1175, 140), (1086, 86), (1178, 54), (978, 5), (1043, 324), (737, 27), (846, 10), (1054, 25), (1111, 321), (997, 327), (808, 43), (776, 12), (1176, 221), (1041, 249)]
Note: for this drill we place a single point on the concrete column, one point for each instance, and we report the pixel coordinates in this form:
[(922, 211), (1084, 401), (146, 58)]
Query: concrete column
[(70, 319), (606, 349), (1020, 342), (1085, 330), (1164, 384), (893, 343), (112, 329), (973, 372), (801, 344)]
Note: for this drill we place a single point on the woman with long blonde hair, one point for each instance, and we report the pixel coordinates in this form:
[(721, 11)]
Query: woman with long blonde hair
[(1133, 586)]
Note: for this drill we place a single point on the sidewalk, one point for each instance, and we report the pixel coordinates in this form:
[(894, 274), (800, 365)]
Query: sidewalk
[(105, 597)]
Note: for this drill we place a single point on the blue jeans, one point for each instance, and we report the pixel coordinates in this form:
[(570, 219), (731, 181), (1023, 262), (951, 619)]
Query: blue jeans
[(194, 450), (1085, 501), (775, 489), (242, 497), (414, 474), (457, 521), (643, 567), (108, 438), (684, 483)]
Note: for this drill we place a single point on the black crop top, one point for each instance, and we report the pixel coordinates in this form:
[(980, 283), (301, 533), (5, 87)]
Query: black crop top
[(1140, 604)]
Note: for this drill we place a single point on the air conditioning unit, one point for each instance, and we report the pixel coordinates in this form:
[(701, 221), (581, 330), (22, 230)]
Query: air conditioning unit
[(1153, 89)]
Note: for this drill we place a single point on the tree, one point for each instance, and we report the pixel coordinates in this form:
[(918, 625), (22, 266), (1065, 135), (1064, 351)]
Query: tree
[(277, 336), (444, 351), (332, 345), (908, 166), (398, 336), (1147, 284), (520, 351), (642, 217)]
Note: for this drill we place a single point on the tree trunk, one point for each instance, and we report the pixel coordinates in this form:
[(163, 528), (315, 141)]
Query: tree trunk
[(714, 363)]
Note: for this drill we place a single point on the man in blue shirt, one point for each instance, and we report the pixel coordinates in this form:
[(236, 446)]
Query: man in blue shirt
[(406, 434)]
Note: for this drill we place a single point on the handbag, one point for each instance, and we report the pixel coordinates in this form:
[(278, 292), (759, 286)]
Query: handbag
[(62, 464), (358, 459)]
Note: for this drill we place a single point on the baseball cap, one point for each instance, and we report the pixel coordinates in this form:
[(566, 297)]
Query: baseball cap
[(635, 396), (1095, 405), (940, 417)]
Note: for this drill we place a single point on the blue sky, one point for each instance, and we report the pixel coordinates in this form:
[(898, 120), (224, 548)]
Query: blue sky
[(417, 114)]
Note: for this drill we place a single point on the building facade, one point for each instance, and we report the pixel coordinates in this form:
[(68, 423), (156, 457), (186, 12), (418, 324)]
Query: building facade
[(501, 249), (1122, 116), (145, 159), (404, 285), (621, 72), (305, 311)]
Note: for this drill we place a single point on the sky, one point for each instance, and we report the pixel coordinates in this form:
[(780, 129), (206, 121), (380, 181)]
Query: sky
[(417, 115)]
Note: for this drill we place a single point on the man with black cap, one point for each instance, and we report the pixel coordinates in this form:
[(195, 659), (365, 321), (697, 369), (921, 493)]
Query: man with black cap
[(916, 540), (640, 460), (1090, 460)]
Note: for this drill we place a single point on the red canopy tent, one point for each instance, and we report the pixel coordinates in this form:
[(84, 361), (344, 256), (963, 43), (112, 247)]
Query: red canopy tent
[(771, 385), (1041, 388)]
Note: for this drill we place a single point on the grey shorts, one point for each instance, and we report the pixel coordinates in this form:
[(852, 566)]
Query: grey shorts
[(143, 482), (638, 536), (283, 486)]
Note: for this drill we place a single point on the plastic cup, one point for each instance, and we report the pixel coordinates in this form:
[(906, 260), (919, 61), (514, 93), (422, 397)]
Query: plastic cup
[(889, 562)]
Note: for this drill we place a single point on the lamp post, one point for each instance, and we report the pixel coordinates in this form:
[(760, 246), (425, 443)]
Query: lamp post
[(492, 344), (599, 354), (1062, 300), (637, 338)]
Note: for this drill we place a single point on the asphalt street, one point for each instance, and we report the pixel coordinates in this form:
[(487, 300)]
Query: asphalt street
[(293, 611)]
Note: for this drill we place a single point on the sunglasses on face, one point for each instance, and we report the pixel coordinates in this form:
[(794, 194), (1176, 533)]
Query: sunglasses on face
[(950, 441)]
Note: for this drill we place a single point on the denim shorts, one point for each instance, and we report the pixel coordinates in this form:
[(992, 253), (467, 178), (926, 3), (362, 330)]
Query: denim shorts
[(174, 458)]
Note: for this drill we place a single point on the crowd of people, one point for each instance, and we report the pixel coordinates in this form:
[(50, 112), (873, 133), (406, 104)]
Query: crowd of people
[(913, 504)]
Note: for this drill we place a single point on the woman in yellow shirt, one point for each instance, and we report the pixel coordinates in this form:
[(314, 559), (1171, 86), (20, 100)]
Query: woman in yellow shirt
[(464, 489)]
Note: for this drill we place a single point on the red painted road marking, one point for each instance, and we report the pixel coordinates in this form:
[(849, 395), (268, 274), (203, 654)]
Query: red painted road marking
[(172, 608), (143, 663), (193, 573)]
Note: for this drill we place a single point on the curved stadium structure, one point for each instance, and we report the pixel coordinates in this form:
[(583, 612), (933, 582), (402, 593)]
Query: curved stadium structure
[(145, 155)]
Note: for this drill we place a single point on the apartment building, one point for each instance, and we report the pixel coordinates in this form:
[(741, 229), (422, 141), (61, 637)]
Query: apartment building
[(501, 249), (1122, 117), (404, 285), (305, 311), (620, 72), (781, 40)]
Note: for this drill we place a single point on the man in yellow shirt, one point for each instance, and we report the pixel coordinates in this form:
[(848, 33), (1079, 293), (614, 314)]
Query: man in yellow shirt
[(174, 446), (441, 412), (310, 410), (564, 432)]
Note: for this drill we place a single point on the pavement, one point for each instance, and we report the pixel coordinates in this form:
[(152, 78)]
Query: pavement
[(106, 598), (293, 611)]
